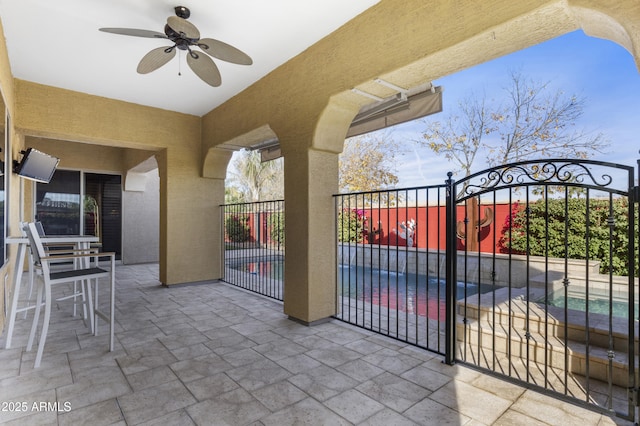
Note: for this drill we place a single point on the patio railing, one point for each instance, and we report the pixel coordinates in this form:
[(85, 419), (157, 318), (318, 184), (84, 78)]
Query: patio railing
[(527, 271), (254, 246)]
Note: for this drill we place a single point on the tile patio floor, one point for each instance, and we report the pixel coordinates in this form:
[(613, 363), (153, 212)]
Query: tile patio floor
[(212, 354)]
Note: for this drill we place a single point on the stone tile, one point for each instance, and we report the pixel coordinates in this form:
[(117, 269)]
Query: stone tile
[(549, 410), (314, 342), (264, 337), (353, 405), (51, 374), (279, 395), (242, 357), (471, 401), (323, 382), (280, 349), (238, 354), (341, 335), (393, 391), (232, 408), (44, 418), (457, 371), (189, 352), (387, 417), (222, 337), (386, 342), (513, 418), (145, 357), (428, 379), (259, 374), (250, 328), (10, 362), (182, 338), (360, 370), (154, 402), (94, 385), (428, 411), (392, 361), (333, 355), (140, 336), (298, 363), (92, 356), (26, 406), (211, 386), (501, 388), (197, 368), (175, 418), (102, 413), (364, 346), (150, 378), (308, 412), (420, 353)]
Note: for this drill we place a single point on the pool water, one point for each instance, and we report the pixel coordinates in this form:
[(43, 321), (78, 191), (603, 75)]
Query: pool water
[(598, 303), (264, 268), (411, 293)]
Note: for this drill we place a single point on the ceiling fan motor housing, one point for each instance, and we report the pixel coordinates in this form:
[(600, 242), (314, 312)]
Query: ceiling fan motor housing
[(181, 41)]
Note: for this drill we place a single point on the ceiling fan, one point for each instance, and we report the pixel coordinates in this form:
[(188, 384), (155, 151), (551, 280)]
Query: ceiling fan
[(185, 36)]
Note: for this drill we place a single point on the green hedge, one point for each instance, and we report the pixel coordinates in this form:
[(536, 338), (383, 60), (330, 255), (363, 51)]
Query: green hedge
[(237, 228), (550, 235), (276, 227), (351, 225)]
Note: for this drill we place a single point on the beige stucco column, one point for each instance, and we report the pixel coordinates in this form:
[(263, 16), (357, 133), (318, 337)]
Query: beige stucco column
[(311, 178), (190, 232)]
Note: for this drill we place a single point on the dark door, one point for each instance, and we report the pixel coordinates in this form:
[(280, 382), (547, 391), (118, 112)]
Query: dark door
[(103, 210)]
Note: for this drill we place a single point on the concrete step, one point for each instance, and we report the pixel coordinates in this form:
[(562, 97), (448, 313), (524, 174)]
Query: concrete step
[(545, 349)]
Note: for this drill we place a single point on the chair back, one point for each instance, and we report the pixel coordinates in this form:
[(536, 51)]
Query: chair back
[(37, 249), (23, 228), (40, 229)]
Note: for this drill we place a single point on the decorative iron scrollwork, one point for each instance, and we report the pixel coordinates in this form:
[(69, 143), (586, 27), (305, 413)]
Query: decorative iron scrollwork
[(531, 173)]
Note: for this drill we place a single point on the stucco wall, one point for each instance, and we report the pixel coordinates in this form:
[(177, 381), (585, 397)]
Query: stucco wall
[(141, 222)]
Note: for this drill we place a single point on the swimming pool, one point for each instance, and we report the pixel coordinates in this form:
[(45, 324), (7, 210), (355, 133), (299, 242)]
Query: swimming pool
[(598, 303), (405, 292), (269, 268)]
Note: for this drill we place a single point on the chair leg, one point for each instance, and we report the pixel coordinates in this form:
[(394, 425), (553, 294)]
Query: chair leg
[(112, 300), (45, 325), (75, 292), (36, 316), (96, 307), (88, 304), (31, 278)]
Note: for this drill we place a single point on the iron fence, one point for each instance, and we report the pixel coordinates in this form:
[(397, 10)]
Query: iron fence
[(525, 271), (390, 257), (254, 246)]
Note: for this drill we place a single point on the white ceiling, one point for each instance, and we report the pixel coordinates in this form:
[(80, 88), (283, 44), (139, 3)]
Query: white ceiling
[(57, 43)]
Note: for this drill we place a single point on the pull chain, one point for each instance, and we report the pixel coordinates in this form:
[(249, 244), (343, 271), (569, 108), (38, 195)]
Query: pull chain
[(179, 63)]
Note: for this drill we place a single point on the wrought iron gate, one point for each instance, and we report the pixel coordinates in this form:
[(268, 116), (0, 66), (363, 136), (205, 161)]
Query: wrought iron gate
[(561, 313), (544, 293)]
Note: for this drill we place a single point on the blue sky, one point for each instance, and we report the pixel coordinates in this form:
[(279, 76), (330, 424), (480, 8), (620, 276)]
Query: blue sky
[(599, 70)]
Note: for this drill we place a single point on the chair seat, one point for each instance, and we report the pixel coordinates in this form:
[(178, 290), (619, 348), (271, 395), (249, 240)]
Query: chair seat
[(84, 273), (86, 276)]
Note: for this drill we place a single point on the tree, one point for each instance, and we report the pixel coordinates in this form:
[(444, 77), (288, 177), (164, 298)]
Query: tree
[(367, 163), (255, 180), (532, 122)]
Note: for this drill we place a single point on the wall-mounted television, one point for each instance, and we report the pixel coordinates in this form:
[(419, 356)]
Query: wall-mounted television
[(37, 165)]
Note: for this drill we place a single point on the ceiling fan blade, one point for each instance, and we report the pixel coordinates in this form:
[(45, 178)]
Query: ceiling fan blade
[(134, 32), (224, 51), (205, 68), (180, 25), (155, 59)]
